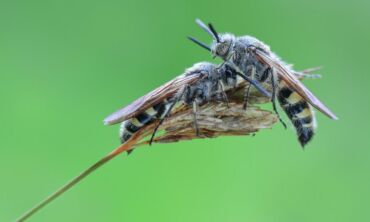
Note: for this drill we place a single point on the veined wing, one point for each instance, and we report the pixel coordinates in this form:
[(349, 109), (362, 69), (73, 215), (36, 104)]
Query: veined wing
[(292, 81), (157, 95)]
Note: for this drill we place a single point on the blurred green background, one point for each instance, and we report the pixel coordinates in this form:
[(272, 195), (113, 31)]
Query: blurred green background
[(65, 65)]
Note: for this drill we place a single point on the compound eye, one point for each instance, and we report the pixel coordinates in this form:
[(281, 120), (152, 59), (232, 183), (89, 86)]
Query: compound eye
[(222, 49)]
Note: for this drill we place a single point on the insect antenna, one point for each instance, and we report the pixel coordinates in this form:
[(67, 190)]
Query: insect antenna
[(213, 30), (199, 43), (209, 30)]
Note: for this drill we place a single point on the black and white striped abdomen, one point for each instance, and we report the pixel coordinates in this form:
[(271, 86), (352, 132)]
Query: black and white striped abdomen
[(131, 126), (299, 112)]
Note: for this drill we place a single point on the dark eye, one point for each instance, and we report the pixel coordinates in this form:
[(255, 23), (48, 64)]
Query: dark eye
[(222, 49)]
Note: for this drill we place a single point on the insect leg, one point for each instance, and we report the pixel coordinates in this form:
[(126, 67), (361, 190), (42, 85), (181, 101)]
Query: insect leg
[(273, 96), (247, 91), (246, 95), (223, 93), (167, 113), (226, 61), (195, 113)]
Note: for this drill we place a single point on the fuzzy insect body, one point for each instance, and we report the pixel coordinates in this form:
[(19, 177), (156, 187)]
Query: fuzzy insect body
[(253, 58)]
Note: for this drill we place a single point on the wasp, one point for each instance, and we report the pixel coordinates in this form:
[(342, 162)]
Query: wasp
[(253, 58), (199, 84)]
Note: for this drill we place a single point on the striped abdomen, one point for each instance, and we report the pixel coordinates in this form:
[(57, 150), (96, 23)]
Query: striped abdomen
[(131, 126), (299, 112)]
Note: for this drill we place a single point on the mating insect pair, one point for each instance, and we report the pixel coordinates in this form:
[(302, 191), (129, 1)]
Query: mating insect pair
[(245, 59)]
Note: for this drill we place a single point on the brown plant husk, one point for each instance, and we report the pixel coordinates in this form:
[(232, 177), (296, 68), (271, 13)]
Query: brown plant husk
[(214, 119)]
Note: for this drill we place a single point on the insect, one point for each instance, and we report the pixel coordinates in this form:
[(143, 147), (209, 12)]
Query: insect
[(253, 58), (199, 84)]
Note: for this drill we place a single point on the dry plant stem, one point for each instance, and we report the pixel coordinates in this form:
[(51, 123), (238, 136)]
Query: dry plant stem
[(214, 119), (101, 162)]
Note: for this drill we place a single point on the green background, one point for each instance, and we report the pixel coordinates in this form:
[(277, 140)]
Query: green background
[(65, 65)]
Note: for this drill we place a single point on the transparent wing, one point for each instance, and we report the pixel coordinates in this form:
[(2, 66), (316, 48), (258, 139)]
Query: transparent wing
[(157, 95), (292, 81)]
